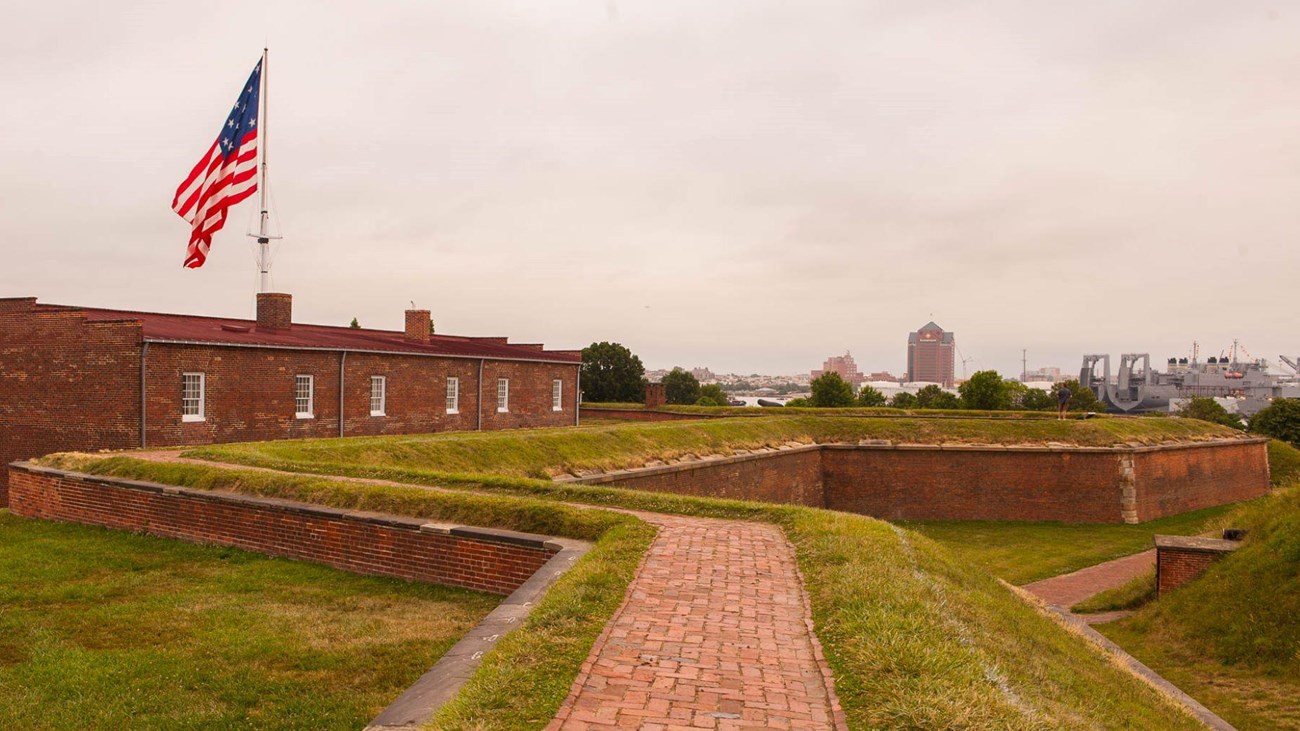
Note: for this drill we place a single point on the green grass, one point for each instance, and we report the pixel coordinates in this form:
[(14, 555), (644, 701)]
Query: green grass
[(1233, 635), (1132, 594), (528, 674), (544, 453), (1283, 463), (104, 629), (1022, 552), (917, 637)]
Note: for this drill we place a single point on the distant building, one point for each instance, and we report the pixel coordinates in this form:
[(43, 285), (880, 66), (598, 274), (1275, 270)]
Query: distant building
[(931, 353), (1046, 373), (703, 375), (881, 376), (844, 366)]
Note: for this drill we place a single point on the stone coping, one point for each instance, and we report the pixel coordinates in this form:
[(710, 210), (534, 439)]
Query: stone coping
[(1195, 543), (687, 465), (488, 535), (418, 704)]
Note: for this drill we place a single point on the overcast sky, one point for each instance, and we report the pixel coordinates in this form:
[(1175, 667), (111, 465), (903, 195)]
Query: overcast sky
[(750, 186)]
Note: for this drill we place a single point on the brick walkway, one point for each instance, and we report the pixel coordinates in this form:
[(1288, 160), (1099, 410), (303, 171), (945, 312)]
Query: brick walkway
[(1069, 589), (715, 633)]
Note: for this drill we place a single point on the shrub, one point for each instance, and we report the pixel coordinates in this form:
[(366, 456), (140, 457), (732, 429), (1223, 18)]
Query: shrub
[(1280, 420), (830, 391), (869, 396)]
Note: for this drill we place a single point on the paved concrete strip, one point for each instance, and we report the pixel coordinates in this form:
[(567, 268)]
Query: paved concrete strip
[(1070, 589), (444, 680), (715, 632), (1193, 706)]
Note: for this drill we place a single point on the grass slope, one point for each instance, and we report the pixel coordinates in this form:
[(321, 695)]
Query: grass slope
[(104, 629), (1233, 636), (543, 453), (1022, 552), (917, 638)]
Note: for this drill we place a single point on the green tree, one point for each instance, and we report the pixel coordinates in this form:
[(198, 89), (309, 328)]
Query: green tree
[(680, 387), (870, 396), (610, 372), (934, 397), (1207, 409), (1036, 399), (1280, 420), (798, 402), (355, 325), (985, 391), (903, 400), (714, 393), (829, 390)]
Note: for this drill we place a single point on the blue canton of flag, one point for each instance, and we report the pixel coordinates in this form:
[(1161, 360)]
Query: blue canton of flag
[(224, 176)]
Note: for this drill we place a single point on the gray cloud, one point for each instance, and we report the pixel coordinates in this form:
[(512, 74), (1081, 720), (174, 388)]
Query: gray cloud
[(747, 185)]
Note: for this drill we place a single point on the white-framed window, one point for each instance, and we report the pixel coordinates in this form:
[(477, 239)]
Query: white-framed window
[(503, 395), (304, 397), (453, 395), (557, 395), (192, 397), (378, 395)]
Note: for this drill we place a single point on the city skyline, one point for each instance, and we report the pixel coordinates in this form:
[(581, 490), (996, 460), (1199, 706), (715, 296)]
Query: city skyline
[(750, 186)]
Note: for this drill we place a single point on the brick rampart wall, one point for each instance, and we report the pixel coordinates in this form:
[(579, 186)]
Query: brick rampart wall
[(906, 482), (407, 548), (790, 476), (1180, 478), (933, 483)]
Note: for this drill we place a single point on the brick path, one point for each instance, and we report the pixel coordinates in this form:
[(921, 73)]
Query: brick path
[(1069, 589), (715, 633)]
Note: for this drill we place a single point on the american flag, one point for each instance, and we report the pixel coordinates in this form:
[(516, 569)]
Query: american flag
[(226, 174)]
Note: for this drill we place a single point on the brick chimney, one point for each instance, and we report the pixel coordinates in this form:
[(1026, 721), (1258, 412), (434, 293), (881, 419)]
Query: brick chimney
[(417, 326), (274, 311), (656, 395)]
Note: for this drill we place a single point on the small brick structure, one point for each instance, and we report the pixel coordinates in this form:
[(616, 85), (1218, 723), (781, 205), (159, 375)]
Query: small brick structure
[(975, 482), (656, 395), (366, 543), (1179, 559)]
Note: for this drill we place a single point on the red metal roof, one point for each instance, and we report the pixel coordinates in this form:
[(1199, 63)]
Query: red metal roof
[(231, 332)]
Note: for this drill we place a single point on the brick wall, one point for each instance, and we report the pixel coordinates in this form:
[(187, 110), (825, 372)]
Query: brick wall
[(1180, 478), (1180, 559), (65, 384), (365, 543), (790, 476), (933, 483), (913, 482), (1177, 567)]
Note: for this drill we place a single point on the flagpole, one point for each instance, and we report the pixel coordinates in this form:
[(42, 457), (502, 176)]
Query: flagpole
[(263, 234)]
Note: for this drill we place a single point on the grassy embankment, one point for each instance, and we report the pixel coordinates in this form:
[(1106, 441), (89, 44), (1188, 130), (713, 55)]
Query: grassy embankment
[(545, 453), (107, 630), (527, 675), (916, 637), (1232, 637), (1024, 552)]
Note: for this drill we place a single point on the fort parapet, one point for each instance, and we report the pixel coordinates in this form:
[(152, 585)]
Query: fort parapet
[(1123, 484)]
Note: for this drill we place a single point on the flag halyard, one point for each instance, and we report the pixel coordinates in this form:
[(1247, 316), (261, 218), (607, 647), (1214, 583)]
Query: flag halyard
[(224, 176)]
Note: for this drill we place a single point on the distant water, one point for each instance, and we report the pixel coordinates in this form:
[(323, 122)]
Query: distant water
[(753, 400)]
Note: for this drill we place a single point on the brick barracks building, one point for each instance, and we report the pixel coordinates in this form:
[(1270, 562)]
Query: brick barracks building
[(80, 378)]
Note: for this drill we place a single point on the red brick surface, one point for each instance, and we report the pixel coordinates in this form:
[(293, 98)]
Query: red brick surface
[(715, 633), (1190, 477), (792, 476), (970, 483), (1175, 567), (361, 544), (71, 384), (1070, 589)]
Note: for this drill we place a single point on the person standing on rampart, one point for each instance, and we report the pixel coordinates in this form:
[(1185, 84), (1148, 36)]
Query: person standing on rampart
[(1062, 400)]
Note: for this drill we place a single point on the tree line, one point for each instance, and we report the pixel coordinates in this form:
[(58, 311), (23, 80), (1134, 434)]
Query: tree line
[(984, 391)]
